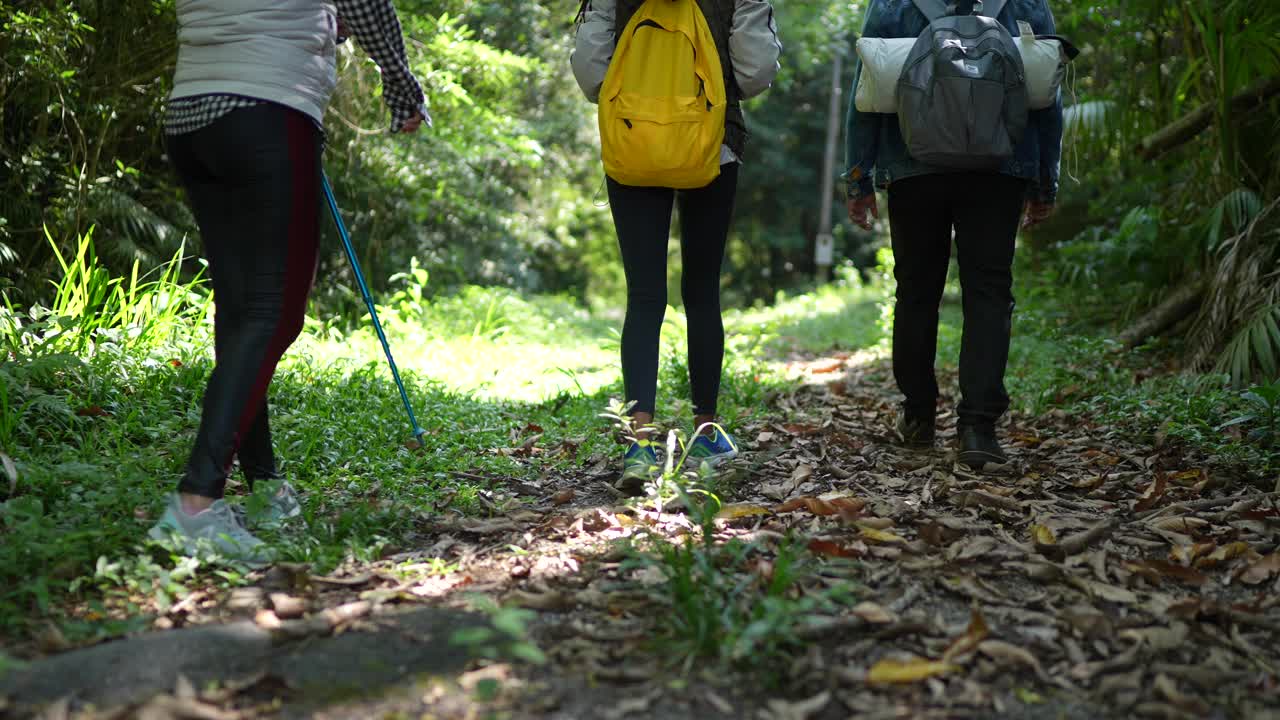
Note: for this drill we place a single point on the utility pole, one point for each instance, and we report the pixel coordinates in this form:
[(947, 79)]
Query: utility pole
[(824, 249)]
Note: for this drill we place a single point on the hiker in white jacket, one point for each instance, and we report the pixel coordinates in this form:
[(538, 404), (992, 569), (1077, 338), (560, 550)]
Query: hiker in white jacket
[(244, 132), (746, 37)]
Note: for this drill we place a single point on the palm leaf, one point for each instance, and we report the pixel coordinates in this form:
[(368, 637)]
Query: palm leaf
[(1254, 352)]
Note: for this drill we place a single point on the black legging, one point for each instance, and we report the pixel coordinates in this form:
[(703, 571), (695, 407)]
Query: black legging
[(253, 181), (642, 217)]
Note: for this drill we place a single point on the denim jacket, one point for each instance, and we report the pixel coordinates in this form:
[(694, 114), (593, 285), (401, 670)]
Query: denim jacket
[(875, 145)]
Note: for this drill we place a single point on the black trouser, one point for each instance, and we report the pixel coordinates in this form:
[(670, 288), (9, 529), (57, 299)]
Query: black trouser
[(253, 181), (642, 217), (984, 209)]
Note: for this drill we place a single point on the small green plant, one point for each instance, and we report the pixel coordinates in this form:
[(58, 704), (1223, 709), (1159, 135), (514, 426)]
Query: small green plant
[(506, 636), (733, 602), (1263, 413)]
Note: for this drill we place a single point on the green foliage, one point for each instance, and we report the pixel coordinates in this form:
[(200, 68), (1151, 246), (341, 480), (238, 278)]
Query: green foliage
[(1255, 349), (90, 305), (1263, 413), (494, 193), (506, 637), (721, 607), (98, 413), (780, 187), (80, 84), (1137, 229)]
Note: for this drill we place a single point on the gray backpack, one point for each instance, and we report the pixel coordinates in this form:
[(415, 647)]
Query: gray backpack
[(962, 96)]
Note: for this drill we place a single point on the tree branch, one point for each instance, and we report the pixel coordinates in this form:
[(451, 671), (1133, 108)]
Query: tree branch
[(1184, 129)]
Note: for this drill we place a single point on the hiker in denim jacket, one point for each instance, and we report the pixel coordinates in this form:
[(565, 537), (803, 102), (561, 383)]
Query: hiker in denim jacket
[(926, 205), (876, 150)]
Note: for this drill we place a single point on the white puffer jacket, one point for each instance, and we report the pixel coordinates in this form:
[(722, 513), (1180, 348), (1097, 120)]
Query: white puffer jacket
[(282, 51)]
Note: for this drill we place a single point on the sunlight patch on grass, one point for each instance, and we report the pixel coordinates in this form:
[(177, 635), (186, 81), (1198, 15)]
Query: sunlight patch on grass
[(842, 316)]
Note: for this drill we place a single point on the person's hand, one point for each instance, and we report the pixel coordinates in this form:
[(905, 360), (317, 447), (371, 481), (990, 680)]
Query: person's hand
[(858, 208), (412, 124), (1035, 213)]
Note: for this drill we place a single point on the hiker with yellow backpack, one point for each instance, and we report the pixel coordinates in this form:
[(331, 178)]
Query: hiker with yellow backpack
[(669, 77)]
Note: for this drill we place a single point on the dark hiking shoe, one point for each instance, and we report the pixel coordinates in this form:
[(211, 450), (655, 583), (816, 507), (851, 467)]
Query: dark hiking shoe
[(915, 431), (980, 450)]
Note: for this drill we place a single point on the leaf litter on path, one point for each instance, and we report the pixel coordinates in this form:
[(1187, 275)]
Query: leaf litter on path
[(1099, 573)]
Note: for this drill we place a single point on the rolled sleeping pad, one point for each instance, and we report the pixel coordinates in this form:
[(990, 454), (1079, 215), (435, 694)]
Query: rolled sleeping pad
[(1045, 58)]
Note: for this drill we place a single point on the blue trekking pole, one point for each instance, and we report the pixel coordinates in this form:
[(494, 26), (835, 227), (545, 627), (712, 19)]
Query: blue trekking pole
[(418, 432)]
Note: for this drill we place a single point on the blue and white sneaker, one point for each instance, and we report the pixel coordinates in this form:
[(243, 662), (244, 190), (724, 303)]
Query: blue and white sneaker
[(639, 466), (715, 449)]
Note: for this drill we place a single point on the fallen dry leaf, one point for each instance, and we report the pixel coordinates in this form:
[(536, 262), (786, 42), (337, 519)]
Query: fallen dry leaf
[(564, 497), (1223, 554), (1262, 570), (972, 498), (1043, 535), (893, 672), (1010, 654), (1089, 621), (487, 527), (1159, 639), (828, 548), (827, 367), (1155, 491), (1183, 524), (286, 606), (550, 600), (824, 507), (267, 620), (798, 710), (969, 641), (1181, 573), (879, 536), (741, 510), (873, 613), (1188, 554), (1166, 686), (353, 581), (970, 549), (1109, 592)]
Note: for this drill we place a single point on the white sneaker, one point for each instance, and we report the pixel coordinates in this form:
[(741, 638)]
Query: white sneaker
[(215, 531), (272, 504)]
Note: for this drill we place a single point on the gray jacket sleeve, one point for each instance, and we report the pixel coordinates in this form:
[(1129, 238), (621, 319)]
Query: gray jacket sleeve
[(754, 46), (593, 48)]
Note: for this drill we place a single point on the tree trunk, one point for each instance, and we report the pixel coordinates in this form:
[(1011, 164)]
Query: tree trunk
[(1184, 129), (1177, 307)]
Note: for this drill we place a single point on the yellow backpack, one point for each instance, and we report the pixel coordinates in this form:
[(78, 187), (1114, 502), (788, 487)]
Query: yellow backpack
[(662, 105)]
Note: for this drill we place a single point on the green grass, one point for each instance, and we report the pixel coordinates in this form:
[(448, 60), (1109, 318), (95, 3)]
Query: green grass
[(99, 422), (99, 417)]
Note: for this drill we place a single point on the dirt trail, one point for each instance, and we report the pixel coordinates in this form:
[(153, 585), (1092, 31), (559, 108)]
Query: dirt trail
[(1097, 577)]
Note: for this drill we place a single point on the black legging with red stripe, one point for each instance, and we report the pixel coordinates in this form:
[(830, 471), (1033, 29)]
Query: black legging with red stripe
[(253, 180)]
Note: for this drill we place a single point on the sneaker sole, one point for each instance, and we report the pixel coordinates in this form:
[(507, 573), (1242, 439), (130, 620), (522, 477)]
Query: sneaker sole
[(718, 459), (982, 460), (916, 444)]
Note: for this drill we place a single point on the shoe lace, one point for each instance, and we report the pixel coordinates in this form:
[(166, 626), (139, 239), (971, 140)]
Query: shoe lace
[(230, 524)]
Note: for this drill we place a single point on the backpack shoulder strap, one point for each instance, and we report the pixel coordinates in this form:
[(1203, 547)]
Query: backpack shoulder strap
[(932, 9), (992, 8)]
